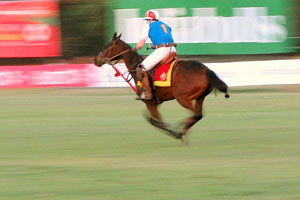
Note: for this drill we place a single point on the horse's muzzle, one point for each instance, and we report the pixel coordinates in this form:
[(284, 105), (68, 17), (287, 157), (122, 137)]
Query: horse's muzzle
[(99, 61)]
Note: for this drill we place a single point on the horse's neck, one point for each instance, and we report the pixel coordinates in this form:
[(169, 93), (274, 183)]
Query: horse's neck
[(131, 60)]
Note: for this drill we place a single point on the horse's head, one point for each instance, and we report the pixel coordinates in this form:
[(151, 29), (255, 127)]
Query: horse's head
[(112, 51)]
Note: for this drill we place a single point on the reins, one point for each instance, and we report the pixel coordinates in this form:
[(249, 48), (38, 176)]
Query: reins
[(118, 73), (110, 59)]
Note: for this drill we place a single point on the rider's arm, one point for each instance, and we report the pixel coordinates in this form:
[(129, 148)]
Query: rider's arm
[(140, 44), (144, 37)]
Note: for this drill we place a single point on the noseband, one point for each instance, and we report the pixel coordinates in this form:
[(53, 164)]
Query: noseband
[(109, 60), (118, 73)]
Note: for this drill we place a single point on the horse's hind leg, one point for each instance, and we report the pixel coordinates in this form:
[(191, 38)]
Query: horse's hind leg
[(196, 109), (198, 115)]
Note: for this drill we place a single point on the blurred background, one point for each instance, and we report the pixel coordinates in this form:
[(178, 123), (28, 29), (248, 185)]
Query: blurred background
[(39, 32), (77, 30), (80, 28)]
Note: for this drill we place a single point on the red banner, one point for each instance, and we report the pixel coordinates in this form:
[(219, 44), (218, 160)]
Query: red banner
[(76, 75), (29, 29)]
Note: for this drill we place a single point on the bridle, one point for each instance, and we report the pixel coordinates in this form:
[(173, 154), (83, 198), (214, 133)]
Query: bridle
[(118, 73), (109, 60)]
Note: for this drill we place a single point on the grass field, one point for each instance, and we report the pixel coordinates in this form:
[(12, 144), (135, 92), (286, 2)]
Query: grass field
[(94, 144)]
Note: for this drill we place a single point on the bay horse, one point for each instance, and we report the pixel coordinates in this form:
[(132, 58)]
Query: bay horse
[(191, 82)]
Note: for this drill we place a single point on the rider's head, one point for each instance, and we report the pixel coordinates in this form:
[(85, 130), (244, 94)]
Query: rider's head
[(151, 15)]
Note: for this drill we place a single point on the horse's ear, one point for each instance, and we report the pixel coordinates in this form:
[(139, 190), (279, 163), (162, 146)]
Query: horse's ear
[(119, 36), (115, 36)]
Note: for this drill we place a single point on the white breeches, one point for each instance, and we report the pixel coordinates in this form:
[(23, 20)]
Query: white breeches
[(156, 56)]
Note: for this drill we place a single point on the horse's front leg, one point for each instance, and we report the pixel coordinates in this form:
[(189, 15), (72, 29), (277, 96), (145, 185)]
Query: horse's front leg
[(153, 110), (156, 121)]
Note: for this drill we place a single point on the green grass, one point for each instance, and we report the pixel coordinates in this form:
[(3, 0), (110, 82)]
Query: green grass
[(94, 144)]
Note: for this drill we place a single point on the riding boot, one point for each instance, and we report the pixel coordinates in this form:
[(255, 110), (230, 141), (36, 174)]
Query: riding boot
[(146, 93)]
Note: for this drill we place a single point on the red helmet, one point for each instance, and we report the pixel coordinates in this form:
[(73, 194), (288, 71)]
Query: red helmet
[(152, 14)]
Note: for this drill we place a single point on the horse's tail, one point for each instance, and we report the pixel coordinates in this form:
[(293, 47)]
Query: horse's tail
[(216, 82)]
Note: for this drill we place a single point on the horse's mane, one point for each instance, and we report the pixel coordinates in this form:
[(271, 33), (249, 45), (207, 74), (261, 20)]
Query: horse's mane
[(135, 54), (126, 44)]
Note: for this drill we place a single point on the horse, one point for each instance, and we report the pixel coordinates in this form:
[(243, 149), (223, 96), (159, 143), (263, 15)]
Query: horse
[(191, 82)]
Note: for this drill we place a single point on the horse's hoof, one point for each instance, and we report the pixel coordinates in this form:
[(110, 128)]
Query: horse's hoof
[(185, 140), (179, 135), (174, 134)]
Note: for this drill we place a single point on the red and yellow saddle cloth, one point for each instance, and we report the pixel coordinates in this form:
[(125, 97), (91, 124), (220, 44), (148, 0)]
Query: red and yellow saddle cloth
[(163, 74)]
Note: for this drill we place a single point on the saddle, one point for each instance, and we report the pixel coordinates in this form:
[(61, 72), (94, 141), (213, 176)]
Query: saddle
[(169, 58)]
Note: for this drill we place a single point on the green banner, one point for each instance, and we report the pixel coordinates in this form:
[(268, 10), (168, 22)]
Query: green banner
[(213, 26)]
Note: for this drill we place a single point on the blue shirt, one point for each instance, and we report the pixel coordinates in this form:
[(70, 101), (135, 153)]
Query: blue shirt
[(160, 33)]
